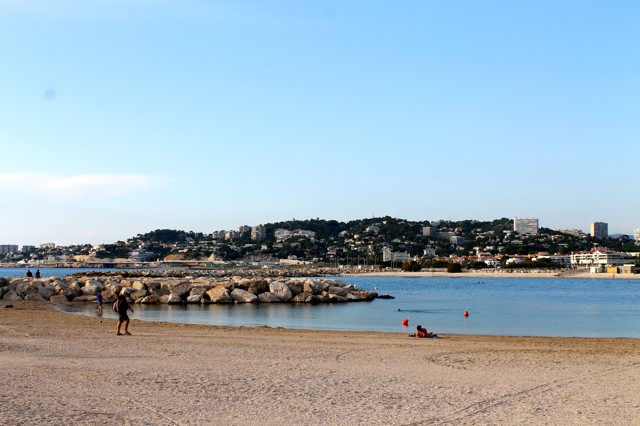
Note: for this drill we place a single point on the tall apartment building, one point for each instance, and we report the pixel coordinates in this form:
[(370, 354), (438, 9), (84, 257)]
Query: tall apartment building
[(244, 229), (258, 233), (599, 230), (636, 235), (525, 225), (8, 248)]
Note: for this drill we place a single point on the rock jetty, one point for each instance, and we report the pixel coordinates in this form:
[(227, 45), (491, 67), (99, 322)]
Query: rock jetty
[(150, 289)]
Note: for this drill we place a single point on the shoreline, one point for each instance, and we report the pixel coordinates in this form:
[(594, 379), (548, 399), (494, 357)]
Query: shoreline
[(63, 368), (492, 274)]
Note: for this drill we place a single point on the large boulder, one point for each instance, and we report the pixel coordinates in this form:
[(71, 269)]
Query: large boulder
[(11, 296), (355, 296), (174, 299), (197, 291), (92, 286), (323, 285), (158, 290), (229, 285), (72, 290), (281, 290), (338, 291), (194, 298), (255, 286), (296, 286), (182, 290), (59, 299), (303, 298), (138, 285), (310, 286), (151, 299), (154, 286), (25, 288), (243, 296), (268, 297), (219, 294), (46, 292), (34, 297), (139, 294)]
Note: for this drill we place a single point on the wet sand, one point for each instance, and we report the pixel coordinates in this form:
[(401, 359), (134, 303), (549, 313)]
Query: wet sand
[(57, 368)]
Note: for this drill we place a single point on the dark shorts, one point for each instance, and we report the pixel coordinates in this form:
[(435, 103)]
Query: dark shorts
[(123, 317)]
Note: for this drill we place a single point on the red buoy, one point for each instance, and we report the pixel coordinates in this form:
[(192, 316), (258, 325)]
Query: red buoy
[(405, 321), (466, 313)]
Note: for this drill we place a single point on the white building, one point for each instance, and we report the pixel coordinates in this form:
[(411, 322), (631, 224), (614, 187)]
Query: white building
[(429, 231), (283, 234), (599, 230), (456, 240), (636, 235), (304, 233), (601, 258), (559, 259), (391, 256), (525, 225)]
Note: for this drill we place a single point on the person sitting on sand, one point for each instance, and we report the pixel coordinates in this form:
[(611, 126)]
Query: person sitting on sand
[(422, 333)]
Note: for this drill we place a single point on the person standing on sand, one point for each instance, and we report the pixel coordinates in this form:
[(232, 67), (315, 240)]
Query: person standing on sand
[(122, 306), (99, 302)]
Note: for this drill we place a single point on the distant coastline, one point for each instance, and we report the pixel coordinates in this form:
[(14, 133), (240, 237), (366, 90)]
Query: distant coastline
[(495, 274)]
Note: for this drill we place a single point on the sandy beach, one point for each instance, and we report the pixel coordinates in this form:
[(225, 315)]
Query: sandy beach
[(64, 369)]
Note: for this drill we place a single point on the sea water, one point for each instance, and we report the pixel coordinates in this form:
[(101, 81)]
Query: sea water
[(497, 306)]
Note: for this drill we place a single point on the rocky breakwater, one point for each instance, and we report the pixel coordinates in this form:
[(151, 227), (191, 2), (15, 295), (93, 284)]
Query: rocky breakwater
[(183, 290)]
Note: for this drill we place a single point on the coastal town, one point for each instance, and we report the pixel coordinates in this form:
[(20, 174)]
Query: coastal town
[(374, 244)]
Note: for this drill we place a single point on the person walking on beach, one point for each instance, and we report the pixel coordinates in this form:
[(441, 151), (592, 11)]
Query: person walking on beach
[(99, 302), (121, 307)]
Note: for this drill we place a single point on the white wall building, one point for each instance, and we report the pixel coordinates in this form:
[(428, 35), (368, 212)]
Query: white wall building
[(456, 240), (391, 256), (601, 258), (284, 234), (559, 259), (525, 225)]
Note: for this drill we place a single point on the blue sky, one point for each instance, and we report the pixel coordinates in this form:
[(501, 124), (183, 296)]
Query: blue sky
[(121, 117)]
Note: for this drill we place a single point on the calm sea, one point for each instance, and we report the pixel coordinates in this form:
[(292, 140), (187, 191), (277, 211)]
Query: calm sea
[(496, 306)]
